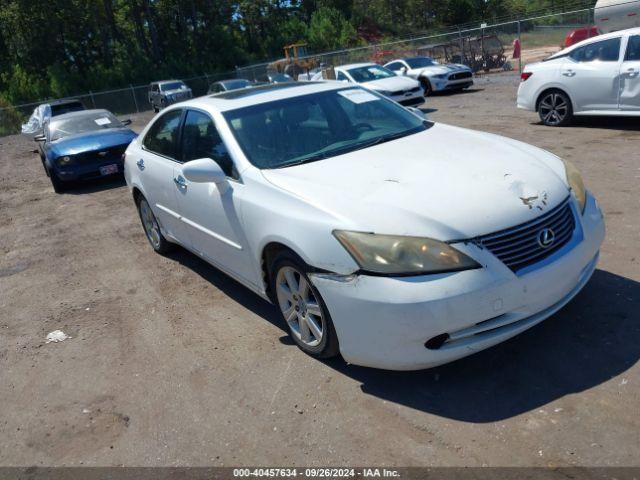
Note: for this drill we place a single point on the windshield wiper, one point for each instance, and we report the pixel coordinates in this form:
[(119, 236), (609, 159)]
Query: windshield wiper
[(350, 148)]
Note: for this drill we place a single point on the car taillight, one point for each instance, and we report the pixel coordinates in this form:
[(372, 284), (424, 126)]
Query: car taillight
[(524, 76)]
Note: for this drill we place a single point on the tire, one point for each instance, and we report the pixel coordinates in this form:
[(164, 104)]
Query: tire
[(152, 228), (555, 109), (426, 86), (302, 307), (57, 184)]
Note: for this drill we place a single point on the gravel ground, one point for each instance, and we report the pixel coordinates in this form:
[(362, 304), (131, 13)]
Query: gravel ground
[(172, 363)]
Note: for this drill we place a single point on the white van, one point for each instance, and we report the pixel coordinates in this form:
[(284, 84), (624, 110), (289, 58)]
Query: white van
[(614, 15)]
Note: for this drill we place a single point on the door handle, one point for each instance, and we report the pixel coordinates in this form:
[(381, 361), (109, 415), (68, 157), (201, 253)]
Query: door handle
[(569, 73), (633, 72), (140, 164), (180, 182)]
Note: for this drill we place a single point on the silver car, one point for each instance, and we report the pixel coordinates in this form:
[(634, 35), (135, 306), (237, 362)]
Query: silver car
[(433, 76), (167, 92)]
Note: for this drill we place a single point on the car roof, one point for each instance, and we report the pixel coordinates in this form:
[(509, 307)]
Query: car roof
[(66, 101), (81, 113), (246, 97), (233, 80), (160, 82)]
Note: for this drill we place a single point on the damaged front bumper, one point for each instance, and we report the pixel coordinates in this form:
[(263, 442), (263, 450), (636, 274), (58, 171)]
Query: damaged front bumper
[(424, 321)]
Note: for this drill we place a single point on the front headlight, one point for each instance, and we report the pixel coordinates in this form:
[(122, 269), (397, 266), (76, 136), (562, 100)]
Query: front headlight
[(574, 179), (64, 161), (398, 255)]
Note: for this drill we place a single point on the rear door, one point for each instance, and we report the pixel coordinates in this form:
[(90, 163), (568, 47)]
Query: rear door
[(630, 76), (210, 211), (156, 167), (591, 75)]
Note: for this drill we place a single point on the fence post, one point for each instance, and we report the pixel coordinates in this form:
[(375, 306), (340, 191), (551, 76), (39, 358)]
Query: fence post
[(93, 101), (135, 100), (521, 49)]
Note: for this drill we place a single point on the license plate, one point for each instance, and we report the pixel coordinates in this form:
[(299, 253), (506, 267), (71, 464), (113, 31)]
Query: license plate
[(109, 169)]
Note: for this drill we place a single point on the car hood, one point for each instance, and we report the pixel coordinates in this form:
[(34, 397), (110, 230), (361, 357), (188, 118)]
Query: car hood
[(443, 69), (446, 183), (391, 84), (90, 141)]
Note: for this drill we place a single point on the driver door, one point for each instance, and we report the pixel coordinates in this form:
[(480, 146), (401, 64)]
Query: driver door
[(209, 211)]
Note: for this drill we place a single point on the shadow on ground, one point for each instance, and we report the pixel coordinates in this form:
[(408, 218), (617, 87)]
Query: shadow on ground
[(630, 124), (594, 338), (94, 186)]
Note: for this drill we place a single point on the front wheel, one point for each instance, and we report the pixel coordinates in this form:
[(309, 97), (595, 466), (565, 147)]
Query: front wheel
[(426, 86), (57, 184), (555, 109), (152, 228), (302, 307)]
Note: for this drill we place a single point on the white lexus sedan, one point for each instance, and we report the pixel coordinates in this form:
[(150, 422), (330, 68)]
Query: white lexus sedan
[(433, 76), (397, 242), (404, 90), (599, 76)]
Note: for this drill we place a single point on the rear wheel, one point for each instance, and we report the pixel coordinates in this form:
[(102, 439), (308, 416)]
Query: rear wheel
[(302, 307), (555, 109), (152, 228)]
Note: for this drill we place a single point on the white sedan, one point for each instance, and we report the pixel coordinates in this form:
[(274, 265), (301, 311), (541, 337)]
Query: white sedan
[(373, 236), (403, 90), (433, 76), (599, 76)]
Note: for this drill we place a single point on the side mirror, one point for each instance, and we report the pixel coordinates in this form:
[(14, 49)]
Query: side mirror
[(203, 170), (40, 138), (404, 70), (126, 122), (417, 112)]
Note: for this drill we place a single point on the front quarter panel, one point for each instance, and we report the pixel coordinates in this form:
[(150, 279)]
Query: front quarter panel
[(271, 214)]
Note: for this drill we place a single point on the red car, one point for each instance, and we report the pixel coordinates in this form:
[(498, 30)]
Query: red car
[(579, 35)]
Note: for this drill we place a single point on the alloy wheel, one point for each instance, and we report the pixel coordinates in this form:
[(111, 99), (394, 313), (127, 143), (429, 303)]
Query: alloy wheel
[(299, 306), (151, 227), (553, 109)]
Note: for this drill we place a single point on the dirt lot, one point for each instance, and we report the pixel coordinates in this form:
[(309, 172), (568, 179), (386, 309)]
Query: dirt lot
[(172, 363)]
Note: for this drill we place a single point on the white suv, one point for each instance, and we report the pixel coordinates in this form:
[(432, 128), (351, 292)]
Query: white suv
[(600, 76)]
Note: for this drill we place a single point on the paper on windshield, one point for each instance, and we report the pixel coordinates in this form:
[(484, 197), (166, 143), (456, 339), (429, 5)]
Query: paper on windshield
[(102, 121), (358, 96)]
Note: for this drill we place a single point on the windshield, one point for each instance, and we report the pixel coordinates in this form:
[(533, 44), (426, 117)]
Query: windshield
[(235, 84), (172, 86), (370, 73), (313, 127), (421, 62), (82, 124)]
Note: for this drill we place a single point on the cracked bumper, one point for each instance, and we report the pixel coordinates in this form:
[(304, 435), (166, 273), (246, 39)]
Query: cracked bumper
[(384, 322)]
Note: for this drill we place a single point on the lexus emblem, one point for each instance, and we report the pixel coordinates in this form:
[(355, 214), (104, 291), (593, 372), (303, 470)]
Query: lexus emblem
[(546, 238)]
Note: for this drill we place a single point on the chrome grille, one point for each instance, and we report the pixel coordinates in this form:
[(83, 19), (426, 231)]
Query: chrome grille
[(520, 246), (460, 75)]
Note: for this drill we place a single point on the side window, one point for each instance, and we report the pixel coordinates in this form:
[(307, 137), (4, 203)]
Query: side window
[(395, 66), (605, 51), (633, 49), (341, 76), (154, 87), (162, 137), (200, 139)]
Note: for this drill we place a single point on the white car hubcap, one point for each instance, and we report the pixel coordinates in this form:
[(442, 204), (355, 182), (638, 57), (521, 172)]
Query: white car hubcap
[(553, 109), (299, 306)]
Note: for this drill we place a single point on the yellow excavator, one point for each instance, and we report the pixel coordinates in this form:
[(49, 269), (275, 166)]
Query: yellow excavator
[(296, 61)]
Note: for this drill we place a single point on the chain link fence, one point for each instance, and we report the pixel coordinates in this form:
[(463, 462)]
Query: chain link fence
[(484, 48)]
